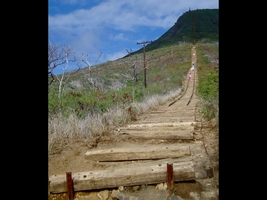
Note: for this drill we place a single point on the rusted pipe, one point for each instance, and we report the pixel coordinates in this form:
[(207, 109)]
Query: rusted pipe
[(170, 176), (69, 186)]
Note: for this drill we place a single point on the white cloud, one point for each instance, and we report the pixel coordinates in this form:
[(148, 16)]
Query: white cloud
[(119, 36), (116, 55), (126, 15), (73, 2), (124, 22)]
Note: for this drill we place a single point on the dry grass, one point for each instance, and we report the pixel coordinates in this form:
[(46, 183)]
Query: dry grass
[(65, 130)]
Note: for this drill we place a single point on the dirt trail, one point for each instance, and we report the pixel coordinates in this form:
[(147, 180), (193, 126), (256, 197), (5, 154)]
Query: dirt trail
[(177, 122)]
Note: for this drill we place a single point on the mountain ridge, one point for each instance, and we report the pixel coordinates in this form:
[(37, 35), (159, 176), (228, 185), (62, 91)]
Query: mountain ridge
[(200, 24)]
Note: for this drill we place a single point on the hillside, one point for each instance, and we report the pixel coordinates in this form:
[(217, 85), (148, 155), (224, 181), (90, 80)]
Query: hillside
[(174, 43), (201, 24)]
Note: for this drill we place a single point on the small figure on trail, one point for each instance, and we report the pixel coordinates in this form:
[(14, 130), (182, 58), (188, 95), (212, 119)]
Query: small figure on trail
[(190, 75), (193, 66)]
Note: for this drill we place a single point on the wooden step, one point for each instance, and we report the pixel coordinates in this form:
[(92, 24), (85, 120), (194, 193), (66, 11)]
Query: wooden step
[(181, 124), (126, 176), (168, 119), (159, 134), (176, 114), (157, 129), (138, 153)]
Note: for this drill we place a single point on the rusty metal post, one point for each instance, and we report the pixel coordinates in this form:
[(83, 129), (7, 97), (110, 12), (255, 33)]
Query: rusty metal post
[(69, 186), (170, 176)]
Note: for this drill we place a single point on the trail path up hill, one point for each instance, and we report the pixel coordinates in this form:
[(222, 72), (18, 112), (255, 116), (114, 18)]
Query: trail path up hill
[(131, 162)]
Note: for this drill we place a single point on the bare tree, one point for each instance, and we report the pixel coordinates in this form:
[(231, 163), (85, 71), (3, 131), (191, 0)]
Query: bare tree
[(62, 77), (59, 55), (133, 70), (88, 76)]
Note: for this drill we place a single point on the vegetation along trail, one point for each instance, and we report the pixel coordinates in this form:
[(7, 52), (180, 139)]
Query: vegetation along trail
[(131, 161)]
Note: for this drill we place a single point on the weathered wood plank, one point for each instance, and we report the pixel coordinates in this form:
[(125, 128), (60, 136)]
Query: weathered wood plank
[(157, 129), (116, 177), (140, 153), (188, 109), (162, 118), (160, 134), (169, 114), (170, 119), (180, 124)]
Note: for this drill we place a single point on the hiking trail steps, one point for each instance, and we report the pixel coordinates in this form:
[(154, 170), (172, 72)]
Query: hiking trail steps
[(172, 136)]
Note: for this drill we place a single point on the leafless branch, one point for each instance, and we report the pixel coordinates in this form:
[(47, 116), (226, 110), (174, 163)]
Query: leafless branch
[(57, 55), (90, 78)]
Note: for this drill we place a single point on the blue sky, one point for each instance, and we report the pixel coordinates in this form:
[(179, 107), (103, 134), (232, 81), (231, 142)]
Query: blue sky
[(112, 26)]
